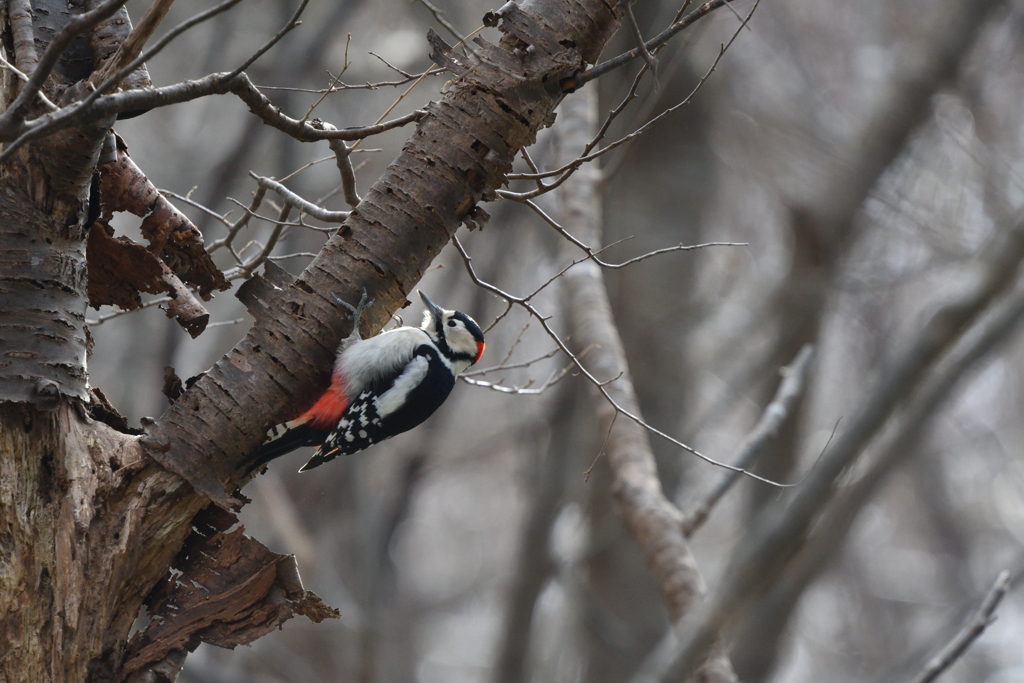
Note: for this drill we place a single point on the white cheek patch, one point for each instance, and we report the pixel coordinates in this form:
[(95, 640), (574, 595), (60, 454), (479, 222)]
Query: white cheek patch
[(394, 398)]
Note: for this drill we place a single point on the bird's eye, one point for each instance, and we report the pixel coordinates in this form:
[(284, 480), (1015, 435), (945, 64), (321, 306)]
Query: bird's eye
[(452, 323)]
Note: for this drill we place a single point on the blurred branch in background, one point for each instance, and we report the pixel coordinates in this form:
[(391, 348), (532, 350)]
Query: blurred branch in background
[(761, 556), (971, 631), (650, 516)]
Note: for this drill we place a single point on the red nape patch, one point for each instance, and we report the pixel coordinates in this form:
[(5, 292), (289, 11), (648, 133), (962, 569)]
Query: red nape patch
[(326, 412), (479, 351)]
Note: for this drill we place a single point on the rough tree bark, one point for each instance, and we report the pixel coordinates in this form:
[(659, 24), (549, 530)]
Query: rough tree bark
[(93, 518)]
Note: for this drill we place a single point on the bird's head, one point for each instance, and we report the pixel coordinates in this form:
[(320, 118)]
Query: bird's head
[(457, 335)]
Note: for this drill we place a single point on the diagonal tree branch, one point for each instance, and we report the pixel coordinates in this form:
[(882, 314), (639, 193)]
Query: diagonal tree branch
[(972, 630)]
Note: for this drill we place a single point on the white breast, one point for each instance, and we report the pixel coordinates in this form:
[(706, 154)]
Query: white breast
[(380, 356)]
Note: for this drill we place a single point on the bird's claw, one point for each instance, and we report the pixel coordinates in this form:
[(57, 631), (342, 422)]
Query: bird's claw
[(355, 311), (359, 308)]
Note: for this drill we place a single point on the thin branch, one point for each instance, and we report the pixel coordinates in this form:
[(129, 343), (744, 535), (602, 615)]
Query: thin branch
[(233, 229), (512, 366), (592, 255), (975, 626), (20, 74), (342, 87), (298, 254), (222, 218), (774, 415), (394, 68), (344, 68), (604, 447), (297, 223), (439, 18), (343, 158), (577, 81), (298, 202), (408, 90), (245, 270), (634, 28), (287, 28), (565, 171), (525, 389), (519, 301), (117, 314)]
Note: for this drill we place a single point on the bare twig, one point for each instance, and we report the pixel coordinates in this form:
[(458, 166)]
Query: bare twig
[(439, 18), (297, 223), (20, 74), (245, 269), (568, 169), (590, 74), (342, 154), (234, 228), (604, 447), (525, 389), (592, 255), (634, 28), (793, 379), (512, 300), (394, 68), (287, 28), (298, 202), (975, 626), (512, 366), (342, 87), (223, 219), (117, 314), (344, 68)]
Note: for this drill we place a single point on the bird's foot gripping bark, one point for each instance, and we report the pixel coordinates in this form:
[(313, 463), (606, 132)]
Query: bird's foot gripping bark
[(357, 312)]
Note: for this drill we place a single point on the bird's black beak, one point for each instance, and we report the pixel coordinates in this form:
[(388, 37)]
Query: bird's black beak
[(434, 309)]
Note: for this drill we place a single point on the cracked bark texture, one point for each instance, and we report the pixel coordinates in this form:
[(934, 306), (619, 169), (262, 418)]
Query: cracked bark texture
[(92, 518)]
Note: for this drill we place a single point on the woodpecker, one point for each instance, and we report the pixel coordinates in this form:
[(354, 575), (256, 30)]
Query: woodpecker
[(380, 386)]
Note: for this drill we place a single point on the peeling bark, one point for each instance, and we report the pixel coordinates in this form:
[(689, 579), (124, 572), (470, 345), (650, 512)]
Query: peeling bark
[(171, 235), (225, 589)]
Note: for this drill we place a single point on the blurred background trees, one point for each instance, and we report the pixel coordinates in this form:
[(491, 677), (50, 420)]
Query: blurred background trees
[(868, 154)]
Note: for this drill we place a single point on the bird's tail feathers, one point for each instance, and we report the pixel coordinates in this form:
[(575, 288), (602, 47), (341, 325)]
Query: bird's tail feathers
[(286, 437), (320, 457)]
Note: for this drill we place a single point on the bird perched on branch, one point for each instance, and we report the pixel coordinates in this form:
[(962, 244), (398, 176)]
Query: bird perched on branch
[(381, 386)]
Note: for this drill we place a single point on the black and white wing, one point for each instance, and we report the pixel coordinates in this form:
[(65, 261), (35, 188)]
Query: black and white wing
[(389, 405)]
